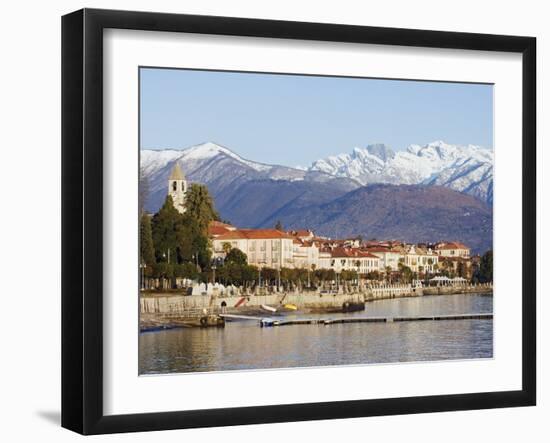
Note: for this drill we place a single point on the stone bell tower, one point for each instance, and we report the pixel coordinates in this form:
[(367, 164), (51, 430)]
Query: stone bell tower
[(177, 188)]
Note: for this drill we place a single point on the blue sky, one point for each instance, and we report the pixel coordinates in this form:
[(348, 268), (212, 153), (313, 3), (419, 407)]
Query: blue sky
[(294, 120)]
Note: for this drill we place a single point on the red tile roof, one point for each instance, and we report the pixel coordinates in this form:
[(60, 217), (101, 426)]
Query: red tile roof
[(216, 228), (253, 234), (301, 233), (347, 252), (451, 245), (379, 249), (231, 235), (219, 223), (215, 231)]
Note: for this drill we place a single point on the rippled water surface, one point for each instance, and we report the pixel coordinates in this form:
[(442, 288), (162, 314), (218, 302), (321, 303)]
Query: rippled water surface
[(244, 345)]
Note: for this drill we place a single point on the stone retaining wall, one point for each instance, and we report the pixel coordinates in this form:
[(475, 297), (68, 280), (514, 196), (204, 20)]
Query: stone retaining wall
[(190, 305)]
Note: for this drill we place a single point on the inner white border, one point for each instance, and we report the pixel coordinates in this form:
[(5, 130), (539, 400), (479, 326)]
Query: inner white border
[(125, 392)]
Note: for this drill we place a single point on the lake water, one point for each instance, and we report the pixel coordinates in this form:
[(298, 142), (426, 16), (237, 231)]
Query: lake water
[(244, 345)]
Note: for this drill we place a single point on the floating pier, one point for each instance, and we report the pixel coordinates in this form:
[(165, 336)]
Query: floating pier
[(269, 322)]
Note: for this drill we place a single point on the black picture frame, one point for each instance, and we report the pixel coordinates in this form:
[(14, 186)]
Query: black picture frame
[(82, 218)]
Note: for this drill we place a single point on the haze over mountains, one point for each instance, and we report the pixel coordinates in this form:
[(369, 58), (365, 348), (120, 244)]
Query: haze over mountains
[(432, 192)]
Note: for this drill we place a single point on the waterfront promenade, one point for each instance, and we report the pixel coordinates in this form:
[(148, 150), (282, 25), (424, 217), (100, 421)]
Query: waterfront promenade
[(165, 308)]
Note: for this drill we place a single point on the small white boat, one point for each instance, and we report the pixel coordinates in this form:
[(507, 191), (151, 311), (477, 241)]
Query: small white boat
[(269, 308)]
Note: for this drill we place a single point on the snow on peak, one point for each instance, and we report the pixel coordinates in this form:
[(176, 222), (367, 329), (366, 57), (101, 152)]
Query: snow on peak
[(466, 168), (380, 150), (196, 153), (205, 151), (154, 159)]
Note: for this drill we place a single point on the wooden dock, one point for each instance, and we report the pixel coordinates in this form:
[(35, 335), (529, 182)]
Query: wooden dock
[(269, 321)]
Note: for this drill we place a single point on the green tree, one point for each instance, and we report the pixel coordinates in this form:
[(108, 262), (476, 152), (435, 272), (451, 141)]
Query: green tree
[(165, 225), (233, 272), (388, 273), (147, 250), (486, 267), (193, 242), (269, 275), (461, 269), (236, 256), (200, 206), (406, 273), (187, 270), (163, 270), (373, 275), (346, 275), (249, 275)]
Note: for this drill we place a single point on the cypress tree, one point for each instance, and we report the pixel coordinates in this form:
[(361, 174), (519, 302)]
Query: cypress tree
[(200, 206), (164, 226), (486, 267)]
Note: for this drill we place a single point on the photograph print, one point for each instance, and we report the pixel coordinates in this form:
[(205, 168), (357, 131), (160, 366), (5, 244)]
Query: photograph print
[(295, 221)]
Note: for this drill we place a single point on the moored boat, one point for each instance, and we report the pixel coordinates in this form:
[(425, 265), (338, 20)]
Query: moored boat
[(269, 308), (351, 306)]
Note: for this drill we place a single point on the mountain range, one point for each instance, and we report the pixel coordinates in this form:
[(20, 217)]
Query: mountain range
[(467, 169), (432, 192)]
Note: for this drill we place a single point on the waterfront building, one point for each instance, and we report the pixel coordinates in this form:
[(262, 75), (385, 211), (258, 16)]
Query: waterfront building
[(177, 188), (301, 249), (452, 249), (263, 247), (389, 257), (457, 266), (325, 259), (305, 254), (420, 260), (348, 259)]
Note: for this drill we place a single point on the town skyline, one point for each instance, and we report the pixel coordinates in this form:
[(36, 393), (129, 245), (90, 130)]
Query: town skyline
[(281, 248)]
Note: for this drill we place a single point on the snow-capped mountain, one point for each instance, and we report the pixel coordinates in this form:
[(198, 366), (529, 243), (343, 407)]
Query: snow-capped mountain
[(225, 171), (331, 197), (467, 169)]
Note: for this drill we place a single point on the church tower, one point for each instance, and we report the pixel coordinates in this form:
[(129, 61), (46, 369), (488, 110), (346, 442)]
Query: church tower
[(177, 188)]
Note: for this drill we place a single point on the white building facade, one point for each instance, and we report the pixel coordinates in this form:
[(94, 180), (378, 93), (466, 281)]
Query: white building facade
[(263, 247)]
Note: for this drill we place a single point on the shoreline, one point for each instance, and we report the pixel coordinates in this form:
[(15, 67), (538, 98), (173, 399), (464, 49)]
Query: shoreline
[(169, 311)]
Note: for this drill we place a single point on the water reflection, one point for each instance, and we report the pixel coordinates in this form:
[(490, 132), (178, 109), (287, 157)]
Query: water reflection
[(244, 345)]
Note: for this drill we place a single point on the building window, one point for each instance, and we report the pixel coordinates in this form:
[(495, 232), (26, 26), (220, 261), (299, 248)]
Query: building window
[(175, 186), (183, 186)]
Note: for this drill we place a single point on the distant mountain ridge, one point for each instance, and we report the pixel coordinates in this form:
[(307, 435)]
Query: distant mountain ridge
[(467, 169), (412, 213), (254, 194), (231, 178)]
